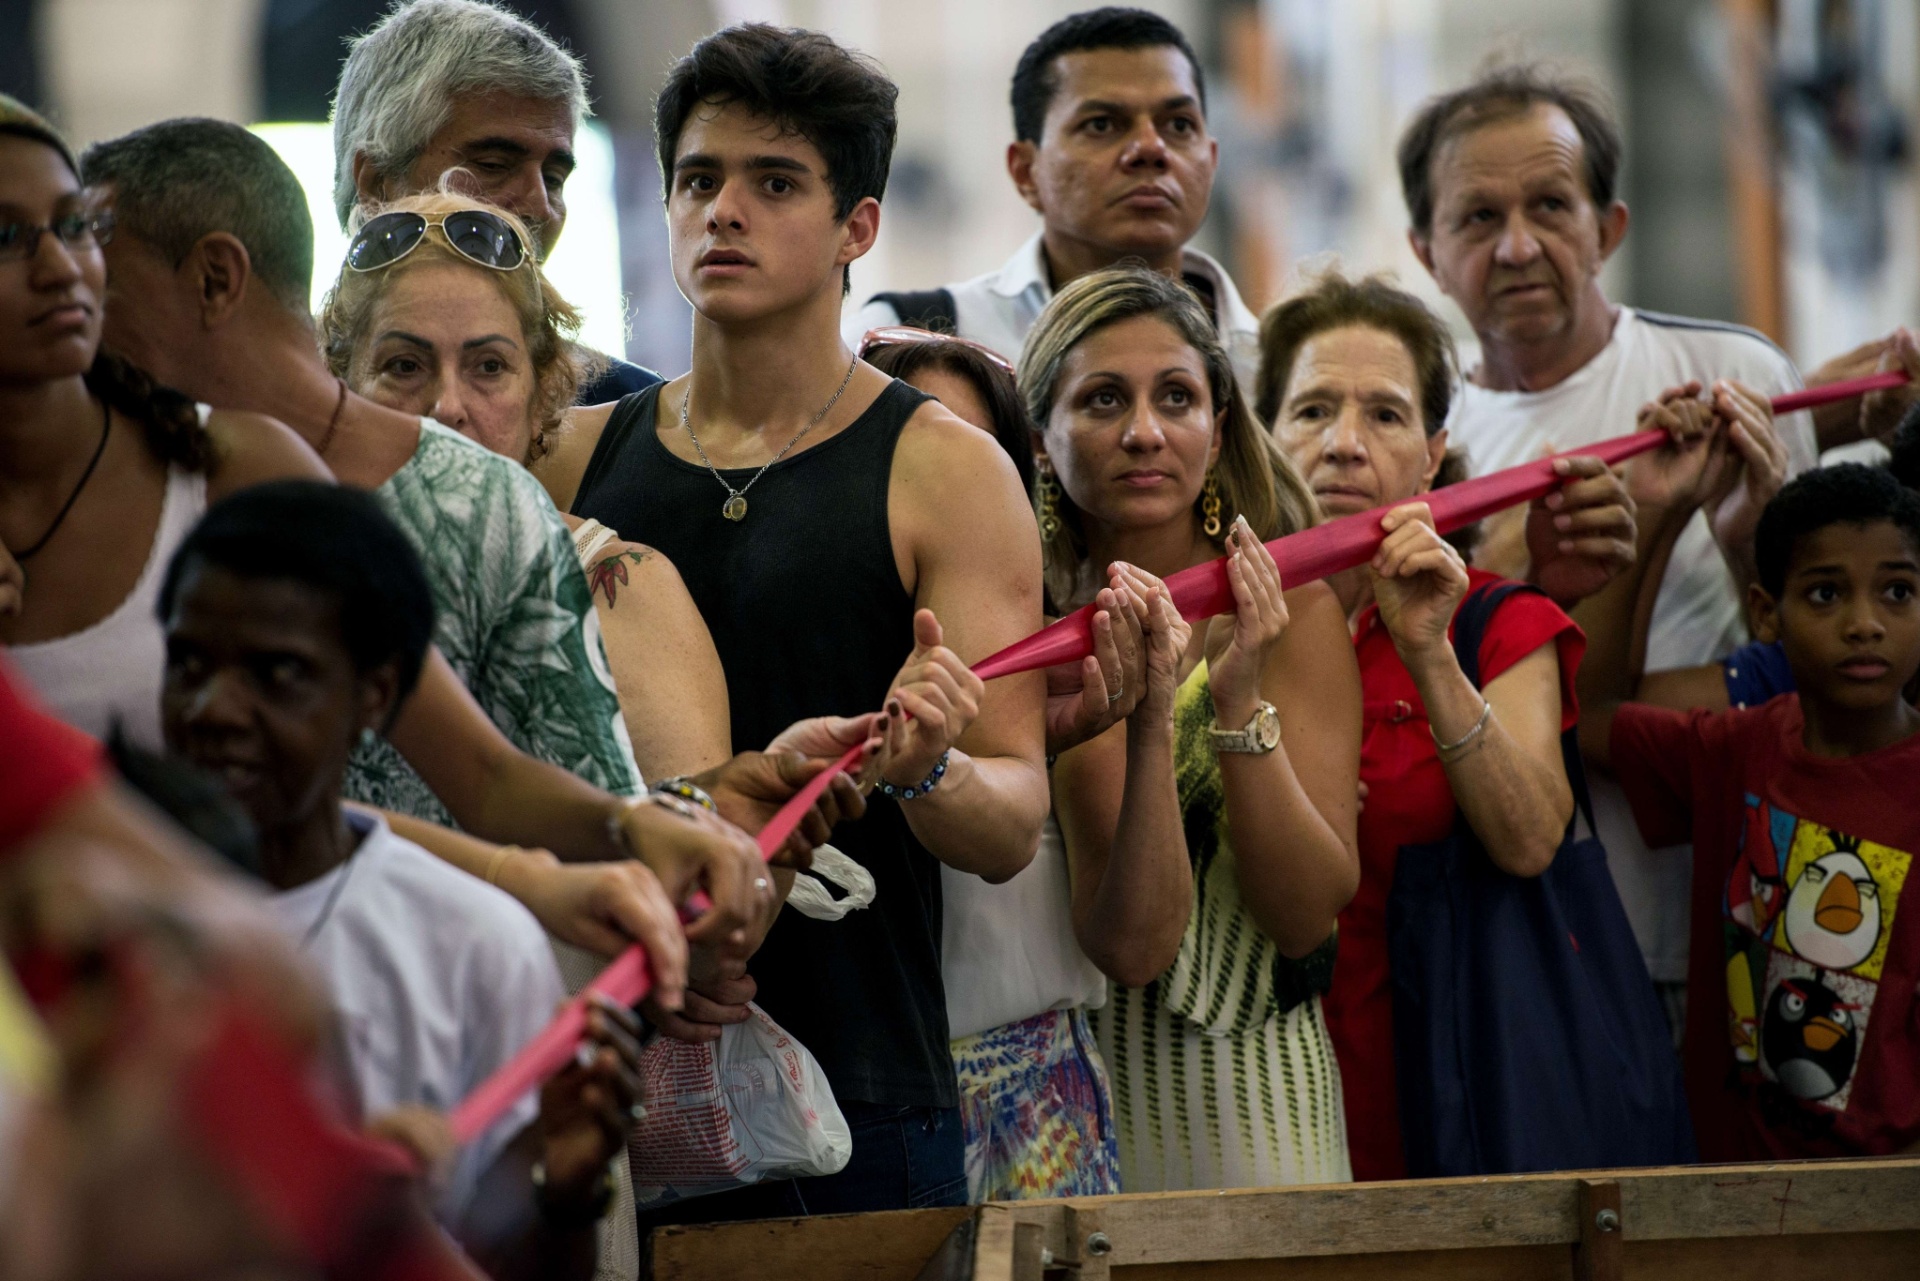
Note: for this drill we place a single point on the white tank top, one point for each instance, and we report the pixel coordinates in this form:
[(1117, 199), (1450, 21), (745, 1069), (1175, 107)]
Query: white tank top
[(112, 671)]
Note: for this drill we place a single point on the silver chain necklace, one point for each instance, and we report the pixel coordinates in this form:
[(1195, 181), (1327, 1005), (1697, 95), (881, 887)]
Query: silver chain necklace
[(735, 508)]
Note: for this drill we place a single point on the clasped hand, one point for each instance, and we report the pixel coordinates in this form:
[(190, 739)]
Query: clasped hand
[(1238, 644), (1418, 581)]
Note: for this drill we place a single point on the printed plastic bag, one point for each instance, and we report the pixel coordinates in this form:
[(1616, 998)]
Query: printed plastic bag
[(753, 1105), (811, 897)]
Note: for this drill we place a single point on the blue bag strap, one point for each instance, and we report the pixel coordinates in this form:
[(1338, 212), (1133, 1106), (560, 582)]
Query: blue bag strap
[(1470, 622)]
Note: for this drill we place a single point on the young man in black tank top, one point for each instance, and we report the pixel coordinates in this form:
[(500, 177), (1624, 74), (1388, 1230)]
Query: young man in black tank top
[(851, 544)]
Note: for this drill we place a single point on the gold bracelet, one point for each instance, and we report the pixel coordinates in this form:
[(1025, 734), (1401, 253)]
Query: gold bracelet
[(500, 857)]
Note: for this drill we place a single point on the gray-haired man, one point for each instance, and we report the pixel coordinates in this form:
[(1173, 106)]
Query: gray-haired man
[(445, 86)]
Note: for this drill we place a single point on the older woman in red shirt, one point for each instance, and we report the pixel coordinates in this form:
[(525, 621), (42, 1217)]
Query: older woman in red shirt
[(1355, 379)]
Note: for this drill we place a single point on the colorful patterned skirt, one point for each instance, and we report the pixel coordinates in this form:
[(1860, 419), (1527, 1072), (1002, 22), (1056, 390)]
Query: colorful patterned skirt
[(1037, 1109)]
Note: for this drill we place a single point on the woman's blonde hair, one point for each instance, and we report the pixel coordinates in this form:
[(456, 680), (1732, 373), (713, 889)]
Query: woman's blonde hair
[(1252, 477), (548, 322)]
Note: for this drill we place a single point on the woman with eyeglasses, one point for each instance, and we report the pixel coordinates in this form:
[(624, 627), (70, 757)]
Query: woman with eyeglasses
[(102, 472), (1243, 759), (439, 312)]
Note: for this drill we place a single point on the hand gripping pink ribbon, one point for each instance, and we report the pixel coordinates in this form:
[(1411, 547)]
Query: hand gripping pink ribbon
[(1200, 592)]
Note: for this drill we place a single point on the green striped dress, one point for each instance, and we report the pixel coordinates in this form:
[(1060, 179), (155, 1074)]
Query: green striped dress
[(1223, 1073)]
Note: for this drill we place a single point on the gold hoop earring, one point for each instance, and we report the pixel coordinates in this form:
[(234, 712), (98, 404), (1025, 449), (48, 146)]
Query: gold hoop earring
[(1210, 508), (1047, 498)]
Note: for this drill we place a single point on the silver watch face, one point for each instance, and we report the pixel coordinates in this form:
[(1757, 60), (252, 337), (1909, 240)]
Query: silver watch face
[(1266, 728)]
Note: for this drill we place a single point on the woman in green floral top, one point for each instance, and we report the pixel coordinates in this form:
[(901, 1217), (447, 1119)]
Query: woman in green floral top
[(488, 353), (1223, 1074)]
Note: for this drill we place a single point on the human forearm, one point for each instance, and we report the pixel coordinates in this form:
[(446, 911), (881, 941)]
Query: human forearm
[(1517, 804), (1295, 871), (506, 1233), (1130, 919), (491, 788), (673, 692), (1617, 619), (984, 816)]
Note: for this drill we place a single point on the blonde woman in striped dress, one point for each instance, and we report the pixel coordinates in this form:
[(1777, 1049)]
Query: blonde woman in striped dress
[(1240, 765)]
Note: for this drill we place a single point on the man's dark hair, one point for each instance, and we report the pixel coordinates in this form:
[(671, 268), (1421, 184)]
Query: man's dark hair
[(181, 180), (1904, 445), (838, 100), (1844, 494), (330, 538), (1113, 27), (1498, 95)]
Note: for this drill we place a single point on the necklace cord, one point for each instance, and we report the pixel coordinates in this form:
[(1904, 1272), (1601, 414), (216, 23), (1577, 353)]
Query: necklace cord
[(106, 429), (333, 422), (813, 422)]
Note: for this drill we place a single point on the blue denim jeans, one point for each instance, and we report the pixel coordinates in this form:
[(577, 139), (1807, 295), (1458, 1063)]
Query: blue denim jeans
[(903, 1158)]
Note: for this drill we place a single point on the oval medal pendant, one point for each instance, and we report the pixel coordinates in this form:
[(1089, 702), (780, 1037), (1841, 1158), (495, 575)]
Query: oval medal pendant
[(735, 508)]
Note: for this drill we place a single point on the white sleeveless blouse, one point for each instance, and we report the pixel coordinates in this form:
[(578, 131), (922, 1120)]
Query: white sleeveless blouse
[(112, 671)]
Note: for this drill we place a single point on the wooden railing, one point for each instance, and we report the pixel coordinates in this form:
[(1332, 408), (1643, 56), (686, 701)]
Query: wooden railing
[(1846, 1220)]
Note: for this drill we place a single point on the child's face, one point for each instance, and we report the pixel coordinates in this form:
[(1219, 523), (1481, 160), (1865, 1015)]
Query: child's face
[(261, 692), (1849, 614)]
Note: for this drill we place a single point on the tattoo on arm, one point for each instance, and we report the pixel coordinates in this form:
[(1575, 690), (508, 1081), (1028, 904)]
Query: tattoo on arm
[(607, 577)]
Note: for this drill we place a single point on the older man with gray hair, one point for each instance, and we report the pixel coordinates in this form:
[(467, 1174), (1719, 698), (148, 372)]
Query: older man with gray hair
[(466, 90)]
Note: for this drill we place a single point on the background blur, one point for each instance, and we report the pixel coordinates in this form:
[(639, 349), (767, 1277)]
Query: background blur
[(1769, 142)]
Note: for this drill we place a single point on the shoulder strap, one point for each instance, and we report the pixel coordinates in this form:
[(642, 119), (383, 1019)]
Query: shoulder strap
[(930, 309), (630, 410), (1469, 629)]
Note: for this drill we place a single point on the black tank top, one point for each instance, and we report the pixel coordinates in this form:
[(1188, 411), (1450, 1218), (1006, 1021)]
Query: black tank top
[(807, 610)]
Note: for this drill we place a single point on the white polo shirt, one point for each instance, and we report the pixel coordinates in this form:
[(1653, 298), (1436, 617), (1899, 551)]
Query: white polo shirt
[(1698, 616), (998, 309)]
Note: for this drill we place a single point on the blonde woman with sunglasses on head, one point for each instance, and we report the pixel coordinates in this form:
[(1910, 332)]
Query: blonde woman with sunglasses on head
[(439, 311)]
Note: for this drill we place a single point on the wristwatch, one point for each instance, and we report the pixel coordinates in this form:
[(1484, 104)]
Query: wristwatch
[(1261, 735)]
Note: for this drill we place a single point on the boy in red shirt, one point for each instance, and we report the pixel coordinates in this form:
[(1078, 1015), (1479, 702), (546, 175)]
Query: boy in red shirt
[(1803, 1031)]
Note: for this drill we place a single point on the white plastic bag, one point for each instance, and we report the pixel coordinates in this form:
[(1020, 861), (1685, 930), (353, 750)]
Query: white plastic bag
[(753, 1105), (811, 897)]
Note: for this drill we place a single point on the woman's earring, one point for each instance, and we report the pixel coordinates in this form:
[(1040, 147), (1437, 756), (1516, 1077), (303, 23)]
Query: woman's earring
[(1047, 497), (1210, 508)]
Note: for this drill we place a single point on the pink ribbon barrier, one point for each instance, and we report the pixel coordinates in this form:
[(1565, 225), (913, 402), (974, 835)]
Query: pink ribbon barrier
[(1203, 591), (1200, 592), (1826, 394)]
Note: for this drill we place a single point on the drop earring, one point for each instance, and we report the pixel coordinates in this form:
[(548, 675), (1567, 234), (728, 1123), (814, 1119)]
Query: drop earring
[(1210, 508), (1046, 492)]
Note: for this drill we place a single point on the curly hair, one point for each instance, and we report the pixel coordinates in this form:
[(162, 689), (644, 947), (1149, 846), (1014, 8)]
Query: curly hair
[(548, 322)]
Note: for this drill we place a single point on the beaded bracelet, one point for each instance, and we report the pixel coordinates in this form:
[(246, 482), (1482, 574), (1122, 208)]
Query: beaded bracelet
[(687, 790), (925, 785)]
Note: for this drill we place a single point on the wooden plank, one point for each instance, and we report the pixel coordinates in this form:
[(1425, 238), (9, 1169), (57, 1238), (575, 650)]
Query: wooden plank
[(1876, 1256), (893, 1246), (1533, 1209), (1511, 1263), (1597, 1254), (1788, 1200), (1865, 1256)]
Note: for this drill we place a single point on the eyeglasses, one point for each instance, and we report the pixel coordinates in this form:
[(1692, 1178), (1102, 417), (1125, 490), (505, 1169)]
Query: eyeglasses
[(20, 241), (482, 238), (907, 335)]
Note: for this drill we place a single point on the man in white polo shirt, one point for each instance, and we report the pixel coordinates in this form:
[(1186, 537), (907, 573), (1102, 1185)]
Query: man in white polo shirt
[(1510, 189), (1111, 149)]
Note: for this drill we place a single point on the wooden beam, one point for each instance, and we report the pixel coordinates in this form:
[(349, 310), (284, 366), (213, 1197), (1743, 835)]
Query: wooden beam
[(1807, 1209), (1596, 1255)]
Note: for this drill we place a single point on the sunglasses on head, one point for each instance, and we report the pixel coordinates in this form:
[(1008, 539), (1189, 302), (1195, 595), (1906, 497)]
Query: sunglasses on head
[(907, 335), (482, 238)]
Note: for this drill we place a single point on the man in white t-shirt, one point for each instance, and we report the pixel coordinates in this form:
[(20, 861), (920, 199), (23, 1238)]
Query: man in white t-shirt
[(297, 618), (1510, 189), (1111, 149)]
